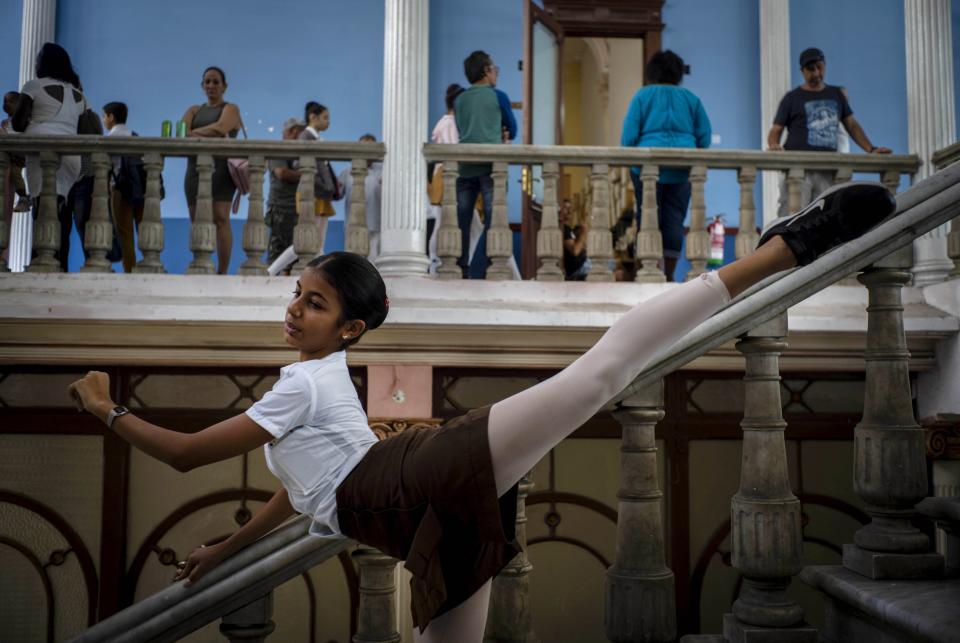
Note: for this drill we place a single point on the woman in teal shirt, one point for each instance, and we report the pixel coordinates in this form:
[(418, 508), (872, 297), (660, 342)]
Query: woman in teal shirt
[(663, 114)]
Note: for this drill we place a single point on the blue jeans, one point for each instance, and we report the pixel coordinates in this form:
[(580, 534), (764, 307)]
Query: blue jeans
[(672, 202), (467, 191)]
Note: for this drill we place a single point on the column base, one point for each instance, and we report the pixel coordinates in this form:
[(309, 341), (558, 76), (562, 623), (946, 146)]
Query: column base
[(890, 566), (736, 631), (403, 264)]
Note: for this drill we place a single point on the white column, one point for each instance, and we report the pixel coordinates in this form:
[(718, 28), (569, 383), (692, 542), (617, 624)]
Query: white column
[(404, 200), (39, 26), (774, 83), (931, 122)]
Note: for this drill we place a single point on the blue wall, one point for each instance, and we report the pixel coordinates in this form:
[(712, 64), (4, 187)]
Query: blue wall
[(11, 15), (458, 27), (869, 60), (151, 55), (727, 84)]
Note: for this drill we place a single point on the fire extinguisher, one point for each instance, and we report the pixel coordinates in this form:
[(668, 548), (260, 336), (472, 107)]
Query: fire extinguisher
[(717, 233)]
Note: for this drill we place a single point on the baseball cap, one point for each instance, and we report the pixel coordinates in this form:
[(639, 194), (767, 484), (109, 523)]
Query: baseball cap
[(810, 55), (291, 122)]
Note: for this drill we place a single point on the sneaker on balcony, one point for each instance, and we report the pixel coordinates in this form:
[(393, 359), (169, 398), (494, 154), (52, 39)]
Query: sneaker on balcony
[(838, 215)]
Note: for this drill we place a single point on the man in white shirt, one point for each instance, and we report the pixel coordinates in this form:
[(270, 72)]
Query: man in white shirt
[(129, 185)]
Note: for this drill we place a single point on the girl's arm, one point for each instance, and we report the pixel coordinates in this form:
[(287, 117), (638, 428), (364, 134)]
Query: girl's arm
[(229, 121), (203, 559), (182, 451)]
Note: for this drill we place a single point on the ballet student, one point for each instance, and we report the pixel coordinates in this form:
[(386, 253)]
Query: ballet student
[(443, 500)]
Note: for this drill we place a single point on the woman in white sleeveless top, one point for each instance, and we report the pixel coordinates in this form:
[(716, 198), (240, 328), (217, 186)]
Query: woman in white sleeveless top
[(51, 104)]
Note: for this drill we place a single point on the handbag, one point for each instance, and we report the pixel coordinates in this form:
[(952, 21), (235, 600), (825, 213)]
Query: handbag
[(88, 122), (239, 169)]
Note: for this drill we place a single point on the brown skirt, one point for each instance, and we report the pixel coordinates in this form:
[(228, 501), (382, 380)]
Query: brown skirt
[(428, 497)]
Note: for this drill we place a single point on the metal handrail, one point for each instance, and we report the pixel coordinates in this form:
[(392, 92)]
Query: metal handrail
[(253, 572)]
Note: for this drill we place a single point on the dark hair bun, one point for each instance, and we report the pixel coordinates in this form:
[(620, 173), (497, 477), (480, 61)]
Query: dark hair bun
[(361, 290)]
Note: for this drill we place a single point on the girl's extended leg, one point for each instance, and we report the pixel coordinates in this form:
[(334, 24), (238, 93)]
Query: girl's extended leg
[(464, 623), (524, 427)]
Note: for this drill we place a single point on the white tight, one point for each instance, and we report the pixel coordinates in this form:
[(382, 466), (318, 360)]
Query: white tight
[(525, 427)]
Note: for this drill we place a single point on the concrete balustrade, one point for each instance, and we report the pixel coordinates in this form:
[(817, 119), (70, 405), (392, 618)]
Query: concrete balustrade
[(605, 199), (941, 159), (510, 615), (98, 236), (639, 601), (150, 232), (377, 617)]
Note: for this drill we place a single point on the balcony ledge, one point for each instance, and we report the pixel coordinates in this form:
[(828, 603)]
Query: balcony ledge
[(179, 319)]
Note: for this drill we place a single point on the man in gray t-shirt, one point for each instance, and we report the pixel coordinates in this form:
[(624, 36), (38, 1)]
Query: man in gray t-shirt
[(282, 201)]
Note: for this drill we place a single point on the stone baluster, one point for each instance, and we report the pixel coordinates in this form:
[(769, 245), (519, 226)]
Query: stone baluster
[(203, 233), (891, 179), (499, 236), (794, 182), (765, 522), (890, 467), (698, 239), (255, 232), (46, 227), (639, 601), (358, 237), (747, 236), (649, 240), (306, 236), (150, 230), (6, 218), (252, 623), (599, 240), (549, 237), (98, 234), (509, 617), (953, 246), (842, 175), (377, 618), (449, 243)]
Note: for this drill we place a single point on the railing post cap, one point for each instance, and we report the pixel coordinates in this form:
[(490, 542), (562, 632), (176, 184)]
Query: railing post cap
[(776, 327), (650, 395), (901, 258)]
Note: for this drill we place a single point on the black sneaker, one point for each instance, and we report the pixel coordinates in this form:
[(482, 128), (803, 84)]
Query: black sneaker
[(838, 215)]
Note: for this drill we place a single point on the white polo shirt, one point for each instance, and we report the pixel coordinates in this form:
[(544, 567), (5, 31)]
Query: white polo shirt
[(320, 434)]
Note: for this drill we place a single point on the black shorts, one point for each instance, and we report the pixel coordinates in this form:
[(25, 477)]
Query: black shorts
[(428, 497)]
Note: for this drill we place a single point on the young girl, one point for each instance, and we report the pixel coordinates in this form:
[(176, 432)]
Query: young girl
[(443, 500)]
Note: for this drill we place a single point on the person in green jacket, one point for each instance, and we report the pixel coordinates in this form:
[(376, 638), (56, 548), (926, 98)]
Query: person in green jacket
[(479, 120)]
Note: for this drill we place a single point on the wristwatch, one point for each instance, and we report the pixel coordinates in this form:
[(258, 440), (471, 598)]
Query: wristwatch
[(114, 413)]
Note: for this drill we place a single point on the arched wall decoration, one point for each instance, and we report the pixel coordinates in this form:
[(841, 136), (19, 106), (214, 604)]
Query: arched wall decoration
[(151, 545), (554, 498), (74, 541), (44, 579)]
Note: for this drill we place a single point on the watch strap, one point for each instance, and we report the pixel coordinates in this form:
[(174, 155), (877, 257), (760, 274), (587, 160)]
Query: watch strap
[(114, 413)]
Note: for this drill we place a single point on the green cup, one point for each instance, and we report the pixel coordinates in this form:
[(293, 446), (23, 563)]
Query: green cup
[(181, 129), (166, 129)]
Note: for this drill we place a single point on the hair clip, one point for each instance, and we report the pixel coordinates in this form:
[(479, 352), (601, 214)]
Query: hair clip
[(386, 302)]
